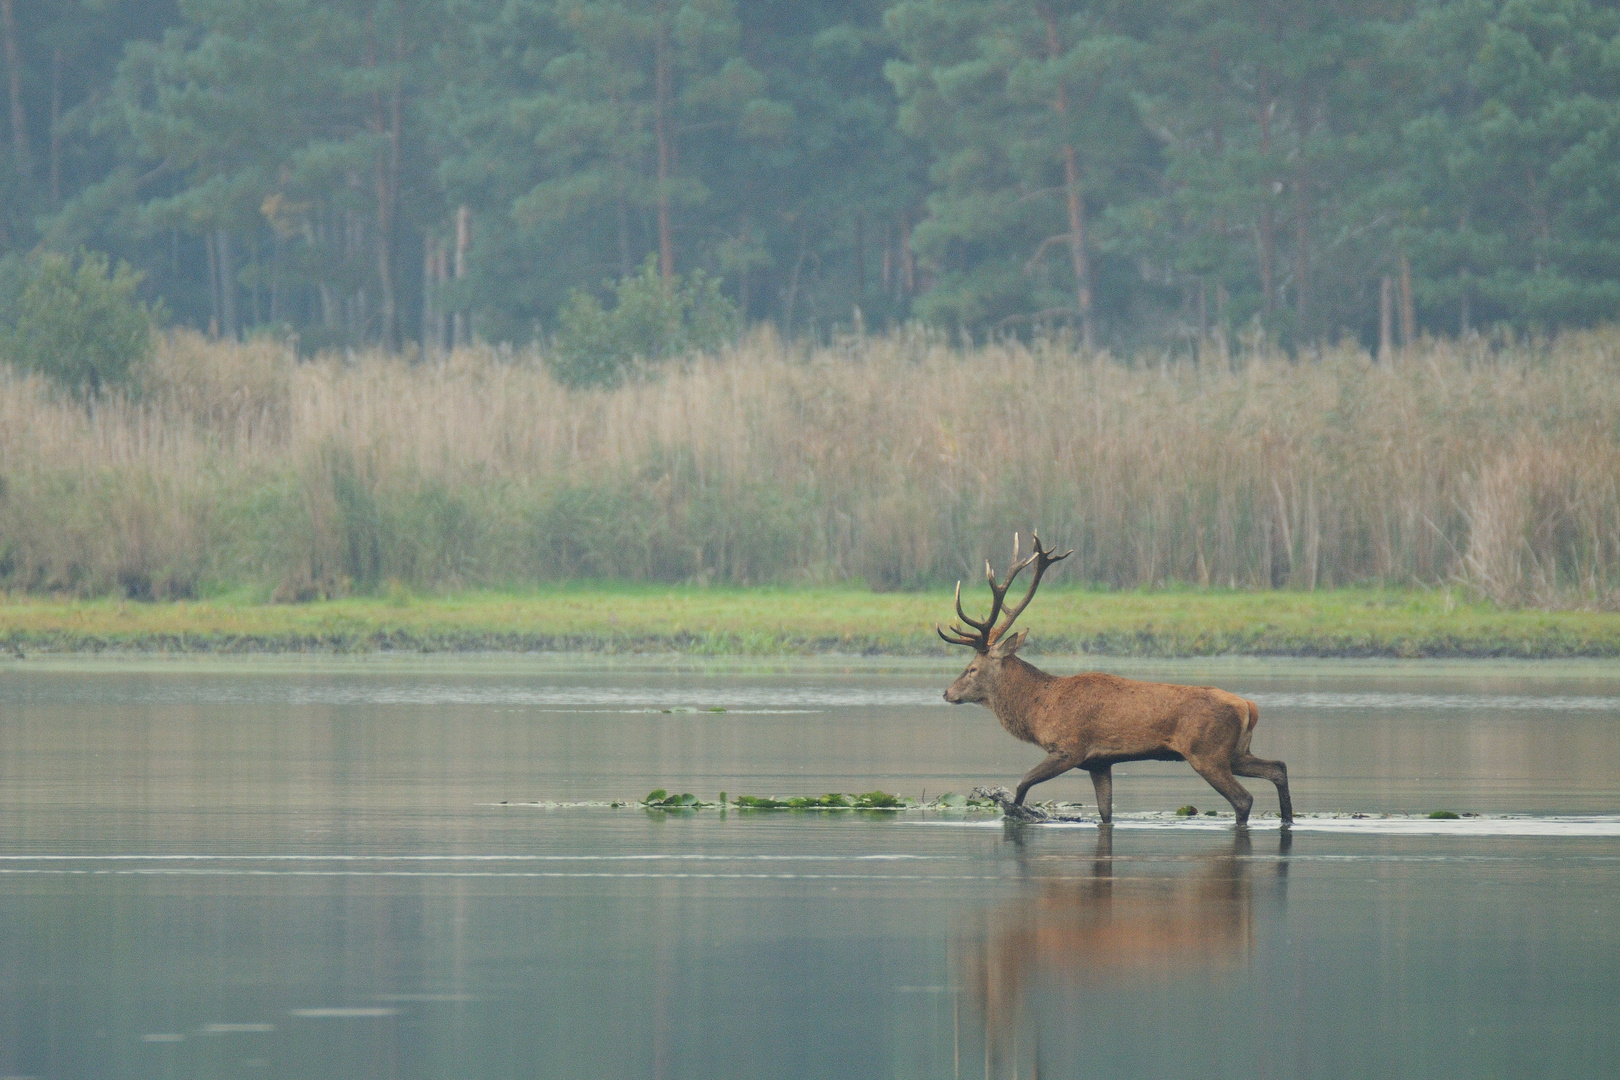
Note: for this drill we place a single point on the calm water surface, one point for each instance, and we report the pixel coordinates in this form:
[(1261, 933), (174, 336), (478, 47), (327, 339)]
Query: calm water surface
[(384, 867)]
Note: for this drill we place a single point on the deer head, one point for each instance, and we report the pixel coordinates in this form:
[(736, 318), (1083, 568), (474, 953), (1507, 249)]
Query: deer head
[(990, 642)]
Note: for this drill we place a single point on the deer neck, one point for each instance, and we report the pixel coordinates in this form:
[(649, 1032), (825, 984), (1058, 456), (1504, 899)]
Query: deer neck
[(1016, 694)]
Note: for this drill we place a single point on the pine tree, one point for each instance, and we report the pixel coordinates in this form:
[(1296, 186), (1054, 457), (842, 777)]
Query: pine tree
[(1027, 111)]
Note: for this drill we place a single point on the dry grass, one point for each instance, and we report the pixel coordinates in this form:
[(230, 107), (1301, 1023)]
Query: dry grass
[(894, 461)]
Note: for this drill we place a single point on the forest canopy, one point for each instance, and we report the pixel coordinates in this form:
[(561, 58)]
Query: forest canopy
[(393, 171)]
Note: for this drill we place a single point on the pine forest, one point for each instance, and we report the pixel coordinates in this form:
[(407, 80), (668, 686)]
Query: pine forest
[(420, 173)]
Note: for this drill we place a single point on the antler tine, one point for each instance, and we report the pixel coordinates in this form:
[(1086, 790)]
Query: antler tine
[(959, 636), (1016, 568), (995, 606), (1042, 558)]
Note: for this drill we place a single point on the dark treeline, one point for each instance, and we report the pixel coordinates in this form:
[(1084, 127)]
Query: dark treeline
[(396, 171)]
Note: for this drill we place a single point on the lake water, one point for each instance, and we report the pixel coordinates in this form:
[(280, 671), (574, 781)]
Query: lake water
[(392, 867)]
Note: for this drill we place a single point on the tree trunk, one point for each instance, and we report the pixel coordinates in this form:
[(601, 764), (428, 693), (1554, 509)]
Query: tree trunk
[(275, 277), (908, 261), (661, 93), (387, 187), (886, 262), (213, 285), (460, 328), (56, 128), (1465, 320), (253, 292), (1077, 248), (1268, 225), (1302, 258), (1386, 318), (793, 285), (441, 275), (429, 346), (745, 275), (626, 266), (227, 284), (1408, 310), (1078, 257), (860, 255), (19, 117)]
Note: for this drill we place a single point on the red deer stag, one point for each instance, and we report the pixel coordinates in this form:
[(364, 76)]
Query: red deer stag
[(1095, 720)]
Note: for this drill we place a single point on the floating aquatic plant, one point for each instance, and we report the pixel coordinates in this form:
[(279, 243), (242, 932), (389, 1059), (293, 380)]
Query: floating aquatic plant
[(659, 799), (1446, 815), (872, 800), (824, 802), (1187, 811), (757, 802)]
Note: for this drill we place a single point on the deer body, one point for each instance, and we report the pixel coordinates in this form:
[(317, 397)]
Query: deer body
[(1095, 720)]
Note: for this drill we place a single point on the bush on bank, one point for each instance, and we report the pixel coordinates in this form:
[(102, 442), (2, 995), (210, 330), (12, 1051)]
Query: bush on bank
[(76, 321)]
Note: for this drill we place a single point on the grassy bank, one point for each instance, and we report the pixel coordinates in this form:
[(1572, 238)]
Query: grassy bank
[(729, 620), (897, 462)]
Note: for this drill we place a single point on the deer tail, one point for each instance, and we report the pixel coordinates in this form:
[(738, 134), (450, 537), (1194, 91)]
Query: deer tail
[(1252, 719)]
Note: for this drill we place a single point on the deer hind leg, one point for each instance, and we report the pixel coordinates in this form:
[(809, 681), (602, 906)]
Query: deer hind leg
[(1276, 772), (1054, 765), (1220, 777), (1103, 780)]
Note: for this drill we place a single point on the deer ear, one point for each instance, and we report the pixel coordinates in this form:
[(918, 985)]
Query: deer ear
[(1005, 647)]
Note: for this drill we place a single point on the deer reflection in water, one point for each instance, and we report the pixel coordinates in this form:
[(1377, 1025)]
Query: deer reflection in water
[(1101, 930)]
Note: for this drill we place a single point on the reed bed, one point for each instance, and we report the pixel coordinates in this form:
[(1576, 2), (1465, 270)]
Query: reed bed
[(897, 461)]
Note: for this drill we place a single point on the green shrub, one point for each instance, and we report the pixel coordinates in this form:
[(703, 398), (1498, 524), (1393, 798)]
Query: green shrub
[(76, 321), (651, 321)]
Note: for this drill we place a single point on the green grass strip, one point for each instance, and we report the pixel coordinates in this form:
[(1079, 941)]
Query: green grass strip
[(723, 621)]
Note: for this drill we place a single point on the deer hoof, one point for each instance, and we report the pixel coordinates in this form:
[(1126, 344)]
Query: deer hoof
[(1013, 811)]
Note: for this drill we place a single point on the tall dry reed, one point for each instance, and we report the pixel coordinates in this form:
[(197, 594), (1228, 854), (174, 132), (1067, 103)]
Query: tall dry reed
[(894, 460)]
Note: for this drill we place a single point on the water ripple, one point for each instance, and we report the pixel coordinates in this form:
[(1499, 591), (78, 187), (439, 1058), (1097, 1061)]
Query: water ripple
[(1408, 701)]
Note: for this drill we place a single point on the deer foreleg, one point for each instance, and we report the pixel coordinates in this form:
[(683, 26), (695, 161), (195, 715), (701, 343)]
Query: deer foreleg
[(1220, 777), (1103, 780), (1054, 765)]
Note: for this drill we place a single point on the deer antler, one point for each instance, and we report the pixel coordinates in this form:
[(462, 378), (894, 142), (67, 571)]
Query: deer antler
[(1042, 558), (987, 631)]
